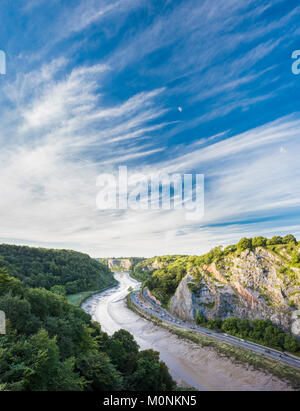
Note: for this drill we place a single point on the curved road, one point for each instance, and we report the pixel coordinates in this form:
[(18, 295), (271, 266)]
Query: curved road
[(189, 363), (150, 307)]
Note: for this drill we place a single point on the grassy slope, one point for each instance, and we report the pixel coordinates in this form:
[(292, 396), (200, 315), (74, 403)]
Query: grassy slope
[(79, 298)]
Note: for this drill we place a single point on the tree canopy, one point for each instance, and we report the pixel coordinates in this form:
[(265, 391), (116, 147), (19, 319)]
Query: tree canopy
[(39, 267), (53, 345)]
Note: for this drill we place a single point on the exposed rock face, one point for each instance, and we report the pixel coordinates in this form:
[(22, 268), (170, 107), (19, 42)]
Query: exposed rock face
[(296, 322), (119, 263), (249, 286), (183, 303), (155, 265), (153, 298)]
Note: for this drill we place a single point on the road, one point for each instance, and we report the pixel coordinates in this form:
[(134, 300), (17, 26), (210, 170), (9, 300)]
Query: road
[(150, 307)]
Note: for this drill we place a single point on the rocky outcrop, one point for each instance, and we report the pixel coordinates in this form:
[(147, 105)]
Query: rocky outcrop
[(152, 297), (252, 285), (119, 264)]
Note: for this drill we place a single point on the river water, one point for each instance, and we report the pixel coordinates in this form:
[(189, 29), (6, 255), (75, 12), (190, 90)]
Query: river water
[(189, 364)]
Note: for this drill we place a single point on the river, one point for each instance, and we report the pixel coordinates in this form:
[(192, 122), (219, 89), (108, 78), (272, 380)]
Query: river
[(189, 364)]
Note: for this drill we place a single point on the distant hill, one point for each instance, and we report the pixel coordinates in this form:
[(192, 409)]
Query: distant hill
[(40, 267), (121, 263)]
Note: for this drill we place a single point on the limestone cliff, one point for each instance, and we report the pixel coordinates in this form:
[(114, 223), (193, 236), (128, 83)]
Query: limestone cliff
[(119, 264), (254, 284)]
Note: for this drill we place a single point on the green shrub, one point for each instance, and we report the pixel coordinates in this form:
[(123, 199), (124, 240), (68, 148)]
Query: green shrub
[(295, 258), (200, 319), (244, 244), (215, 324), (194, 288), (262, 332), (276, 240), (230, 249), (259, 241), (289, 238), (208, 305)]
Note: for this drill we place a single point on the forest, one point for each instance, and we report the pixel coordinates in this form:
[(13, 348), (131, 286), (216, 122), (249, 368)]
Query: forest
[(39, 267), (51, 345)]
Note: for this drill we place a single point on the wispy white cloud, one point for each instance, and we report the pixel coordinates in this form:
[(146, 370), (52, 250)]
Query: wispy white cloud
[(49, 192), (46, 179), (88, 12)]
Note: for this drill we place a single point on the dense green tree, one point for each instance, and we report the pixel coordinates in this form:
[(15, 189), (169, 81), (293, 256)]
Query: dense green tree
[(146, 377), (244, 244), (262, 332), (163, 282), (127, 341), (99, 372), (58, 289), (230, 326), (289, 238), (230, 249), (200, 319), (9, 284), (123, 351), (215, 324), (291, 344), (295, 258), (243, 325), (34, 365), (275, 240), (259, 241), (151, 374), (18, 310)]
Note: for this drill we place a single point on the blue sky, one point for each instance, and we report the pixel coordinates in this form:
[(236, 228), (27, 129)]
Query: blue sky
[(95, 84)]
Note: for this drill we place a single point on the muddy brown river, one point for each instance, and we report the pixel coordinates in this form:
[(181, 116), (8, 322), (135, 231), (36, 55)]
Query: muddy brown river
[(189, 364)]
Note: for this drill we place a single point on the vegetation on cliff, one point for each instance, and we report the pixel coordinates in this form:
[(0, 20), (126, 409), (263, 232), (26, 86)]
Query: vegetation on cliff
[(256, 279), (163, 274), (154, 273)]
